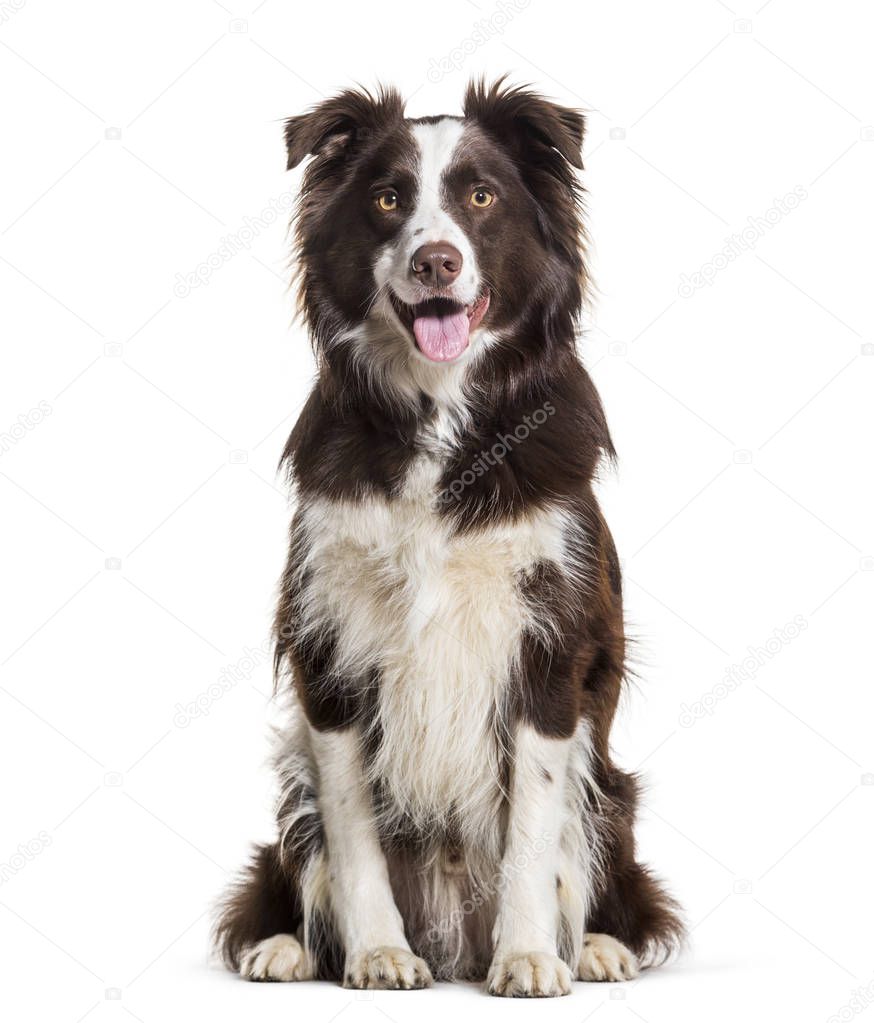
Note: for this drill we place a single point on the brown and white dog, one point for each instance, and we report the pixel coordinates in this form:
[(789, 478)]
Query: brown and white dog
[(450, 622)]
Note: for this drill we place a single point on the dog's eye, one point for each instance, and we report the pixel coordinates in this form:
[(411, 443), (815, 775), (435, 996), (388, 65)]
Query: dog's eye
[(387, 201), (481, 198)]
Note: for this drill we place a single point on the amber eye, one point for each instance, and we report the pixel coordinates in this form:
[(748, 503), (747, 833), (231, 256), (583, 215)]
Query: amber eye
[(387, 201), (482, 198)]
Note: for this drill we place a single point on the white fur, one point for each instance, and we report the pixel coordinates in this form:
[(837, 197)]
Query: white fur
[(281, 957), (526, 960), (441, 618), (605, 958), (390, 363), (298, 817), (580, 866), (529, 975), (361, 898), (529, 913), (358, 887), (386, 967)]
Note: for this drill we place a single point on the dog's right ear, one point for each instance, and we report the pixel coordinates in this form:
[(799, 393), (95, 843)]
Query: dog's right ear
[(337, 124)]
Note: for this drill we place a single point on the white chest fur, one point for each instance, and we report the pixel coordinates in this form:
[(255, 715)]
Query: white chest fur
[(440, 618)]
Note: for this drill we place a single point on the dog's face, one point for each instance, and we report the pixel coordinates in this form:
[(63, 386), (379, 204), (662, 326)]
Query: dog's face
[(426, 238)]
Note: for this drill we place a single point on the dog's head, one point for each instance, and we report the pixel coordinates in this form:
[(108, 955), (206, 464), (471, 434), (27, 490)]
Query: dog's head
[(424, 242)]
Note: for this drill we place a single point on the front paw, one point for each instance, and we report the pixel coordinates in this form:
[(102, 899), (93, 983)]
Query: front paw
[(386, 967), (529, 975)]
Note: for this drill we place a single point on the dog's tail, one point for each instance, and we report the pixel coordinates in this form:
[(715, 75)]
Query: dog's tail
[(636, 909)]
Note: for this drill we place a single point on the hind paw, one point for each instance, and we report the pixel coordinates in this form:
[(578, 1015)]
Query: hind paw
[(281, 957), (605, 958)]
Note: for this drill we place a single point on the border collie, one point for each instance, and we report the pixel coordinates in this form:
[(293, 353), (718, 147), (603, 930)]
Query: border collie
[(449, 636)]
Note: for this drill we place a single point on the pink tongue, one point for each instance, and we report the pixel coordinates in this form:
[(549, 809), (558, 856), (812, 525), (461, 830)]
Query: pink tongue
[(442, 338)]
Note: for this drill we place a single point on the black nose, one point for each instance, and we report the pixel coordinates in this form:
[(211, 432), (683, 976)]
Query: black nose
[(436, 265)]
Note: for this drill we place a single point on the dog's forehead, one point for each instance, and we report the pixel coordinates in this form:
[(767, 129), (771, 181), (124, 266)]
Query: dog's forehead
[(432, 146), (436, 143)]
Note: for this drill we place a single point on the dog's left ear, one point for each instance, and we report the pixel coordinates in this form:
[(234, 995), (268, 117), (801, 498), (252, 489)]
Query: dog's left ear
[(528, 124), (335, 126)]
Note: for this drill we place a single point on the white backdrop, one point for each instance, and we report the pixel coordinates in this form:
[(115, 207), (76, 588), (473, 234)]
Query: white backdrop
[(151, 373)]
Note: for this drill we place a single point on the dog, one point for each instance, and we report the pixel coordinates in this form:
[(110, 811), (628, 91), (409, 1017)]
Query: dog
[(449, 634)]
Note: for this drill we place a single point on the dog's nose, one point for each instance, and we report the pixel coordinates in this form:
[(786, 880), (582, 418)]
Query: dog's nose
[(436, 265)]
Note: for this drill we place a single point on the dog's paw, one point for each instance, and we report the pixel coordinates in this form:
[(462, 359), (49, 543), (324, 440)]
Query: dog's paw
[(605, 958), (529, 975), (281, 957), (386, 967)]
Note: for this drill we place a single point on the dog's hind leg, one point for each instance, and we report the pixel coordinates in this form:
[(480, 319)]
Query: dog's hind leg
[(632, 906), (261, 913), (274, 923)]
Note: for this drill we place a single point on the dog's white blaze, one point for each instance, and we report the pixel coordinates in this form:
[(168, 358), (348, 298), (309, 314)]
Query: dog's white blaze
[(384, 351), (441, 618), (429, 221)]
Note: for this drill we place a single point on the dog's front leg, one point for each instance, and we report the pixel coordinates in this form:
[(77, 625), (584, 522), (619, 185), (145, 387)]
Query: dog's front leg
[(367, 919), (526, 961)]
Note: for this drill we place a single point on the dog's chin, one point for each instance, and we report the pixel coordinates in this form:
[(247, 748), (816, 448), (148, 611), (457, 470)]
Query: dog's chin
[(440, 328)]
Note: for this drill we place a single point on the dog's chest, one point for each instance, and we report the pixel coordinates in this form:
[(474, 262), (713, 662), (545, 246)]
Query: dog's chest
[(438, 620)]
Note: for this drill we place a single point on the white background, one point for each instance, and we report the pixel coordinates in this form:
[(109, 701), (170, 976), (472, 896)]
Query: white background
[(135, 138)]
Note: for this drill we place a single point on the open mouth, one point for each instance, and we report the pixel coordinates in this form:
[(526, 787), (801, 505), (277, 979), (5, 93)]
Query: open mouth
[(441, 327)]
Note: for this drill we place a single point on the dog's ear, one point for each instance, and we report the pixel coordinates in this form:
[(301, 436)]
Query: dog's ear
[(337, 124), (545, 141), (531, 126)]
